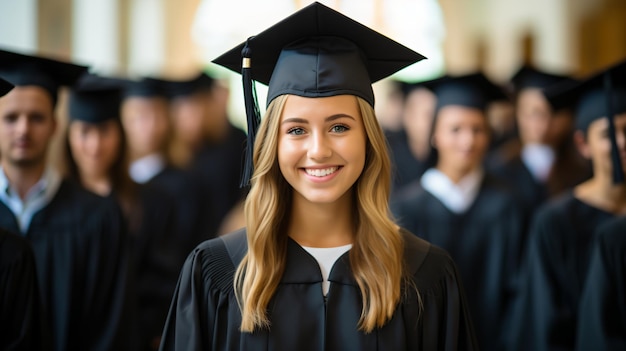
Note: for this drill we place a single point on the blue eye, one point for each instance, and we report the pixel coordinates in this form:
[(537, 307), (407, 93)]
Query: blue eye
[(295, 131), (339, 128)]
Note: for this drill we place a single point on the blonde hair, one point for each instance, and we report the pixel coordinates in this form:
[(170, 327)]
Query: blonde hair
[(376, 257)]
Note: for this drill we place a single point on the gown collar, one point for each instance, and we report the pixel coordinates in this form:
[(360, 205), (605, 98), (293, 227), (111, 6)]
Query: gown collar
[(538, 159), (301, 267), (456, 197), (144, 169)]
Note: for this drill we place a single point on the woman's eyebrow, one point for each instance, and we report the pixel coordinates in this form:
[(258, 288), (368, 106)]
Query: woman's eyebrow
[(327, 119)]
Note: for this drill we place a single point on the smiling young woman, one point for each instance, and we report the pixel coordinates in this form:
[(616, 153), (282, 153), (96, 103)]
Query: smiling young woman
[(321, 264)]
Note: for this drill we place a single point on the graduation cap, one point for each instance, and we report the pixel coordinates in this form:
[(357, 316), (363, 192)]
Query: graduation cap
[(471, 90), (201, 82), (5, 87), (95, 99), (146, 87), (47, 73), (530, 77), (599, 96), (316, 52)]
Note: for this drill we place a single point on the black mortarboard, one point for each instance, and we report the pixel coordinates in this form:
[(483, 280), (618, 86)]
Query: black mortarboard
[(530, 77), (599, 96), (95, 99), (47, 73), (147, 87), (315, 52), (5, 87), (471, 90), (201, 82)]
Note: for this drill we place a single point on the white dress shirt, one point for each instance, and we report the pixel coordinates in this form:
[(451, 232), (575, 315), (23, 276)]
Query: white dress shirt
[(37, 197), (456, 197)]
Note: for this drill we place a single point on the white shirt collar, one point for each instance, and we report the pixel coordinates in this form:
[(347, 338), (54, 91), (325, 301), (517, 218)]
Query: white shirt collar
[(37, 197), (326, 258), (145, 168), (538, 158), (456, 197)]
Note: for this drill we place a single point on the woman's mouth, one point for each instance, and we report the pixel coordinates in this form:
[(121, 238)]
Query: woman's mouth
[(321, 172)]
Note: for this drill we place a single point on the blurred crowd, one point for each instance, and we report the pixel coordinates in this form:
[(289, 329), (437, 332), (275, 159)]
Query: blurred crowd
[(522, 183)]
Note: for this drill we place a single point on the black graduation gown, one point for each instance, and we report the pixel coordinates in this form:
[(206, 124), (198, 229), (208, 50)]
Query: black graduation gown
[(406, 168), (205, 315), (602, 312), (485, 242), (193, 223), (531, 193), (567, 171), (81, 254), (555, 266), (155, 261), (219, 167), (20, 311)]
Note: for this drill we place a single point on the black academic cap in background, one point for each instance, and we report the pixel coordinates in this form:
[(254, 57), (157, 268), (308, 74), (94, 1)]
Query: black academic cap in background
[(95, 99), (5, 87), (588, 98), (47, 73), (183, 88), (146, 87), (603, 95), (315, 52), (471, 90), (530, 77)]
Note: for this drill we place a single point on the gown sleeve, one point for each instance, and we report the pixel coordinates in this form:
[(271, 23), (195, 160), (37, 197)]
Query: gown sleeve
[(444, 321), (540, 312), (602, 311), (445, 314), (106, 287), (20, 311), (204, 314)]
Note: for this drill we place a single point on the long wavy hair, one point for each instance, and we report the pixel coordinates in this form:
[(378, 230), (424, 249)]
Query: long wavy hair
[(376, 257)]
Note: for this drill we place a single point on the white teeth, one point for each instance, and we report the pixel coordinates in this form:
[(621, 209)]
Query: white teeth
[(321, 172)]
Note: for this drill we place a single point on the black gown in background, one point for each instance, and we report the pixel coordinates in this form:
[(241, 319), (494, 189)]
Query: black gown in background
[(567, 171), (602, 312), (205, 315), (555, 267), (192, 210), (406, 168), (155, 260), (486, 243), (81, 254), (219, 168), (20, 311)]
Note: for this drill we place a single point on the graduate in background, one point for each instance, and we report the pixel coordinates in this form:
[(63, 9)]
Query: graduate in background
[(78, 238), (410, 147), (459, 207), (560, 240), (320, 264), (147, 128), (97, 159), (21, 321), (217, 159), (602, 311), (20, 310), (543, 162)]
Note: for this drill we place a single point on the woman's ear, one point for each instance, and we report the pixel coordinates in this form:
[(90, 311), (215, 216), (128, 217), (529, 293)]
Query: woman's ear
[(580, 140), (433, 143)]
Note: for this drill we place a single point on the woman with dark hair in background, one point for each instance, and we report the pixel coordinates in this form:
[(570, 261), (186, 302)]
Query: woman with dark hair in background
[(96, 158)]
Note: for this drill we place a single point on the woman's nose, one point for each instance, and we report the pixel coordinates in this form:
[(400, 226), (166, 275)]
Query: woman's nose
[(319, 148)]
